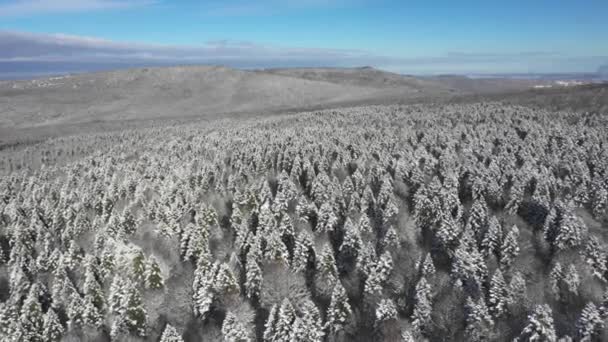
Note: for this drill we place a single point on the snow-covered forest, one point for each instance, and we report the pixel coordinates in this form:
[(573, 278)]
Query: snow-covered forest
[(460, 222)]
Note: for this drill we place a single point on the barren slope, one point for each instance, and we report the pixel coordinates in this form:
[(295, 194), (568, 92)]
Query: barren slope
[(171, 92)]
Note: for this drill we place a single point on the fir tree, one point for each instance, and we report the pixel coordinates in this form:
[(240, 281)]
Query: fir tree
[(492, 240), (153, 275), (170, 334), (339, 311), (52, 330), (479, 323), (30, 326), (284, 323), (540, 325), (510, 248), (386, 310), (590, 323), (253, 278), (422, 306), (233, 330), (499, 296)]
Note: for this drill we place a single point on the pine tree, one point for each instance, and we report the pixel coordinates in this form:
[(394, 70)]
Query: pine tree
[(30, 326), (139, 266), (540, 325), (479, 323), (270, 325), (153, 275), (555, 279), (233, 330), (492, 240), (378, 274), (170, 334), (312, 323), (284, 323), (406, 336), (352, 239), (510, 248), (590, 323), (339, 311), (426, 266), (422, 306), (572, 280), (499, 296), (327, 219), (52, 330), (75, 310), (253, 278), (301, 252), (571, 232), (469, 266), (385, 311), (135, 313)]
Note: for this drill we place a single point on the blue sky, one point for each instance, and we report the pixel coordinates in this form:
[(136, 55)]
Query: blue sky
[(418, 37)]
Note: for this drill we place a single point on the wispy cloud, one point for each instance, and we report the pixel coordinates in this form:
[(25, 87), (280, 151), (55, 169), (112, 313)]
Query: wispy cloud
[(32, 7), (21, 47), (269, 7)]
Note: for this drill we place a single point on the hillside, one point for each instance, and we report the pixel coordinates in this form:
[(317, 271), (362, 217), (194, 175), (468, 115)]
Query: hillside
[(177, 92)]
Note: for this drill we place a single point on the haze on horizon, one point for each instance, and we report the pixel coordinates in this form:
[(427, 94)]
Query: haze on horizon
[(39, 37)]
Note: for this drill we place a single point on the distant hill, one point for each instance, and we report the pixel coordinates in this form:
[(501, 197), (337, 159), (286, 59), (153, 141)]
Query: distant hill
[(54, 103), (603, 71)]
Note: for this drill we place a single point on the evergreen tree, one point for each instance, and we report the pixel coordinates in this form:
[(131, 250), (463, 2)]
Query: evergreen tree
[(492, 240), (270, 325), (301, 253), (572, 280), (30, 326), (422, 306), (386, 310), (52, 330), (479, 323), (510, 248), (499, 296), (253, 278), (571, 232), (590, 323), (170, 334), (284, 323), (233, 330), (153, 275), (339, 311), (540, 325)]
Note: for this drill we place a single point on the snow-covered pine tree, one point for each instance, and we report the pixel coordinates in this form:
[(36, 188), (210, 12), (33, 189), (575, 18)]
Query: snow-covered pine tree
[(422, 306), (302, 251), (540, 325), (509, 249), (499, 296), (270, 325), (386, 310), (253, 277), (31, 320), (572, 280), (233, 330), (52, 330), (170, 334), (492, 240), (153, 277), (284, 323), (590, 323), (479, 323), (339, 311)]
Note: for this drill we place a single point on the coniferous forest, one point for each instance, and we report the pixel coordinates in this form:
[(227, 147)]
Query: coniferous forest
[(454, 222)]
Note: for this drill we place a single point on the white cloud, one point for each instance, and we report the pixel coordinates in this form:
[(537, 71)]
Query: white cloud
[(60, 48), (32, 7)]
